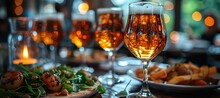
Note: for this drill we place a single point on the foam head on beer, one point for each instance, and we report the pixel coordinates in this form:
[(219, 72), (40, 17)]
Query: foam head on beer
[(109, 10), (151, 8), (89, 16), (54, 16)]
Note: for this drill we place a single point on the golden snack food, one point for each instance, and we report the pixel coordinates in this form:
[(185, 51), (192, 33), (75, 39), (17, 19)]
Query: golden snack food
[(180, 74)]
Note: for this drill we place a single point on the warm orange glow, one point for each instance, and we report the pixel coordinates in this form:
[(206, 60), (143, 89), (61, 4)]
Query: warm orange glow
[(18, 10), (196, 16), (26, 60), (25, 52), (168, 5), (48, 41), (166, 18), (209, 21), (83, 8), (84, 37), (18, 2), (174, 37), (78, 33)]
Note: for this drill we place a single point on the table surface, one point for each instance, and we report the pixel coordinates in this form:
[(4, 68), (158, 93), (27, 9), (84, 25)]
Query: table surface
[(135, 86)]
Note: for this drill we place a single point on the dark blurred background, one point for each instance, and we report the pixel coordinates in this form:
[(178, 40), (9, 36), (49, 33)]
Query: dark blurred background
[(196, 18), (192, 25)]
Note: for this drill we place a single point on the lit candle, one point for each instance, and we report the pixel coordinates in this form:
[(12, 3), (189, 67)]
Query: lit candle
[(26, 60)]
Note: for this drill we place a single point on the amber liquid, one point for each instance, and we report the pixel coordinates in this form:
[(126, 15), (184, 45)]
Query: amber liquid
[(145, 35), (109, 32), (82, 33), (54, 32), (39, 27)]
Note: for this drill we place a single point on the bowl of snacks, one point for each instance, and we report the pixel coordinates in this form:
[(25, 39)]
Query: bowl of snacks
[(180, 77)]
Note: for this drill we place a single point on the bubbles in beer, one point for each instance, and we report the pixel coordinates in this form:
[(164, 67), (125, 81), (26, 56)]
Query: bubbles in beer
[(109, 32), (144, 34), (81, 33)]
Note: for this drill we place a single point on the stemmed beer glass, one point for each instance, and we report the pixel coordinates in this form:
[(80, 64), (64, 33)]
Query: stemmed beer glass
[(109, 36), (145, 36), (38, 34), (53, 34), (81, 34)]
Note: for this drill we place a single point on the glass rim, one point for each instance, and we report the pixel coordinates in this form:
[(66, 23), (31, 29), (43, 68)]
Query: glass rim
[(89, 15), (20, 24), (146, 7), (109, 10), (58, 15), (145, 2), (19, 18)]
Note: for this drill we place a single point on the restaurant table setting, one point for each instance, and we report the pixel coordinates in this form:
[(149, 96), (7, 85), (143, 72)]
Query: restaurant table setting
[(39, 67)]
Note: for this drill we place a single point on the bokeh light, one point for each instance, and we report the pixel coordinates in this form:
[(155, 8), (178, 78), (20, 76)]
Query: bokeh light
[(18, 10), (197, 16), (174, 37), (209, 21), (168, 5), (166, 18), (83, 8), (18, 2)]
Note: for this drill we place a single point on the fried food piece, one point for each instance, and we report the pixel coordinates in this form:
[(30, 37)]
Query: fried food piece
[(153, 68), (178, 79), (52, 81), (212, 70), (139, 72), (181, 69), (193, 67), (170, 75), (159, 74), (12, 80)]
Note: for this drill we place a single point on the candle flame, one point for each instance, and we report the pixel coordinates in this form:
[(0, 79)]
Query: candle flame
[(25, 52)]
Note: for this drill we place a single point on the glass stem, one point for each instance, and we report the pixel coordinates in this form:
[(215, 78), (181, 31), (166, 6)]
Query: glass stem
[(42, 50), (145, 92), (82, 51), (52, 53), (111, 58)]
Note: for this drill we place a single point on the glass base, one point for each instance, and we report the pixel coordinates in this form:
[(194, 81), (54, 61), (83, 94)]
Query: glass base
[(89, 69), (50, 64), (141, 95), (86, 68), (108, 79)]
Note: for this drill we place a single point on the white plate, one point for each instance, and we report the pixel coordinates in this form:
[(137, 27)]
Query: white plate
[(172, 87)]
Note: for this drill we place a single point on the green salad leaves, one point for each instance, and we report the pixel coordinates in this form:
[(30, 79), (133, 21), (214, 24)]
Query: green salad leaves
[(34, 86)]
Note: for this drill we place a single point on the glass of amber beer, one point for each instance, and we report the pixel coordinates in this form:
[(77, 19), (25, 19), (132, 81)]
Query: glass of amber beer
[(53, 34), (109, 36), (38, 34), (145, 37), (81, 34)]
